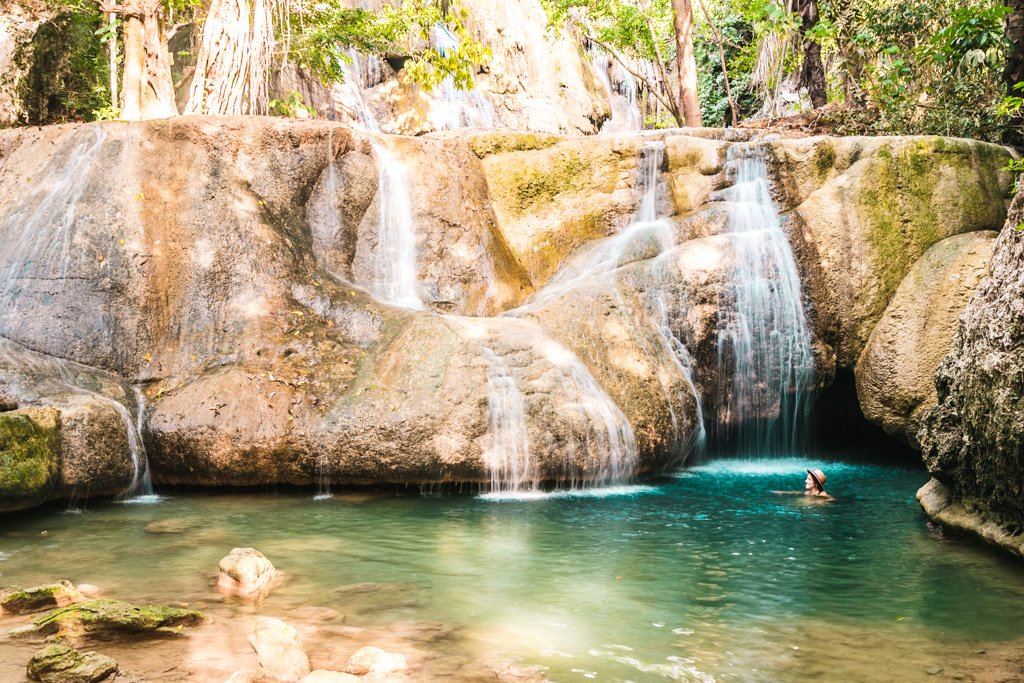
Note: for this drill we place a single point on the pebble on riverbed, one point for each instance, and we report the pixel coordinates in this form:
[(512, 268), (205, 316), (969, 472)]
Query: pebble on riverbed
[(279, 650)]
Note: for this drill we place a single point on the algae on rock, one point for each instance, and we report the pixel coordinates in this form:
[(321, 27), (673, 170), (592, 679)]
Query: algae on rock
[(62, 664), (29, 456), (106, 618)]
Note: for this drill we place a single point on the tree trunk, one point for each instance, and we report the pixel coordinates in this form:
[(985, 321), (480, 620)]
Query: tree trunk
[(686, 63), (1013, 73), (234, 59), (812, 73), (146, 84)]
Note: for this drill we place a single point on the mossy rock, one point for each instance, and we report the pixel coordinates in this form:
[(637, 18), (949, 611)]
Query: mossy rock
[(498, 143), (114, 618), (29, 456), (18, 600), (920, 191), (62, 664)]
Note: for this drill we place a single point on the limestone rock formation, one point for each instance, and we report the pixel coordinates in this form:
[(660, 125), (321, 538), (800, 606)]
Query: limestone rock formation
[(247, 572), (973, 439), (896, 372), (514, 90), (868, 208), (19, 21), (211, 295), (62, 664)]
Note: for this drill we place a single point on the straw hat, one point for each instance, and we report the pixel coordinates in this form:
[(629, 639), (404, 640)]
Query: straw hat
[(819, 478)]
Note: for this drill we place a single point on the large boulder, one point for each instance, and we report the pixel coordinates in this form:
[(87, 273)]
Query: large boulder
[(896, 372), (973, 439), (868, 208), (29, 457)]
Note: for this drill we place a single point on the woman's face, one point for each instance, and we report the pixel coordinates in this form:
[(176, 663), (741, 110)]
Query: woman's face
[(809, 484)]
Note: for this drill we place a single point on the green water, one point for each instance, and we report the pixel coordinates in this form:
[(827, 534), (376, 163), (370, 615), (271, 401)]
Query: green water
[(708, 576)]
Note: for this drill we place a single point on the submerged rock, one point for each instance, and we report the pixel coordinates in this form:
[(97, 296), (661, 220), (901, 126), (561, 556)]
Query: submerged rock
[(247, 572), (325, 676), (62, 664), (373, 660), (17, 600), (279, 650), (114, 618)]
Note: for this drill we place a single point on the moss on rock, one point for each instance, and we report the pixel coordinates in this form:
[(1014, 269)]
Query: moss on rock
[(18, 600), (496, 143), (112, 618), (920, 191), (62, 664), (29, 456)]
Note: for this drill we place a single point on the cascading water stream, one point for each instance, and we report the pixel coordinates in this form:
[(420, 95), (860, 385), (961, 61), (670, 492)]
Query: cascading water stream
[(621, 96), (395, 274), (460, 108), (765, 358), (508, 458), (352, 90)]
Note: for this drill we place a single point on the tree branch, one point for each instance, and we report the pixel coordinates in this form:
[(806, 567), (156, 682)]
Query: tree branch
[(622, 62), (721, 57)]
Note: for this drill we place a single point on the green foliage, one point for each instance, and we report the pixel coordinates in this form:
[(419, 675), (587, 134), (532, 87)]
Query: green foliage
[(292, 107), (68, 78), (320, 36)]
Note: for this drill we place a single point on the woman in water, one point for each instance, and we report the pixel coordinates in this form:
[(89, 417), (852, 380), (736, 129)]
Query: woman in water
[(814, 485)]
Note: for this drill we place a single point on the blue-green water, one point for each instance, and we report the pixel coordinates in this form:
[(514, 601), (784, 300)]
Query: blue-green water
[(708, 576)]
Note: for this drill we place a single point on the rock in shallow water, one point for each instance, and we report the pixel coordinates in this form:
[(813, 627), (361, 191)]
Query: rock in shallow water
[(325, 676), (113, 618), (279, 650), (247, 572), (62, 664), (373, 660), (17, 600)]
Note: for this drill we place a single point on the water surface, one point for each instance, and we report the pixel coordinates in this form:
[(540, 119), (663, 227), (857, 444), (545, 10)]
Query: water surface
[(708, 576)]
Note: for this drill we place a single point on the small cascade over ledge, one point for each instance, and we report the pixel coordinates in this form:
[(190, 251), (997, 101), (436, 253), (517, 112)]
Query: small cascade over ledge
[(765, 357), (395, 275)]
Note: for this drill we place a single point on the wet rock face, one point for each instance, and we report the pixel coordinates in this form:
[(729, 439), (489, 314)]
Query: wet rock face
[(16, 600), (973, 439), (212, 283), (896, 372)]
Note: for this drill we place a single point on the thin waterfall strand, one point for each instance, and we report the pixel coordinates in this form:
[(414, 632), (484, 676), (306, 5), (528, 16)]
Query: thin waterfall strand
[(395, 275)]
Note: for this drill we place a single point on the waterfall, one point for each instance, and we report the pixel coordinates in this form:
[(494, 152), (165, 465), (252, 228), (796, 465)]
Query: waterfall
[(459, 108), (765, 361), (508, 458), (621, 96), (611, 436), (395, 274), (352, 88)]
